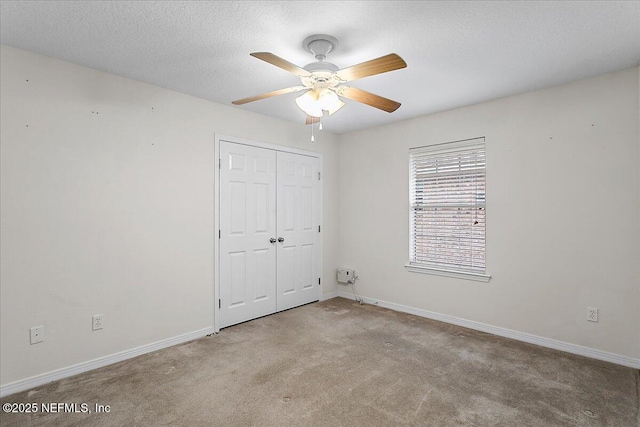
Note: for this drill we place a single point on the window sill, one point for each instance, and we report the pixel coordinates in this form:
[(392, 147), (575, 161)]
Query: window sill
[(478, 277)]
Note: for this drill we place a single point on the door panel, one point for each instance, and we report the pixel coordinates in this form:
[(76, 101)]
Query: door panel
[(247, 222), (298, 198), (267, 194)]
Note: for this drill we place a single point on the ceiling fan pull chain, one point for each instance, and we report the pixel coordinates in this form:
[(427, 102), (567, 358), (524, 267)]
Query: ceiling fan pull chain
[(312, 138)]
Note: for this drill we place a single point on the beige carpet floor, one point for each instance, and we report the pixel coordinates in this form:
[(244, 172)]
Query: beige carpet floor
[(337, 363)]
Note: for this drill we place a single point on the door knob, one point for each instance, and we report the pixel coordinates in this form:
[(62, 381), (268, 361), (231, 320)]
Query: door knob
[(280, 239), (272, 240)]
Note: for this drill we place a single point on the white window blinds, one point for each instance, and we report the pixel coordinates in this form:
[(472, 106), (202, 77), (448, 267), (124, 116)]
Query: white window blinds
[(447, 213)]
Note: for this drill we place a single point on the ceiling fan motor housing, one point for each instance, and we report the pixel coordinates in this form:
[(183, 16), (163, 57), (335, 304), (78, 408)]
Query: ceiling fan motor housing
[(322, 73), (321, 78)]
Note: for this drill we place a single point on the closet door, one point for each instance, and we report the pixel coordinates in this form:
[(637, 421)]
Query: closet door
[(247, 233), (298, 193)]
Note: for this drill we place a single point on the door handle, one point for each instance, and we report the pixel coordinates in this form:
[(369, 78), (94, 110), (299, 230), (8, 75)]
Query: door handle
[(280, 239), (272, 240)]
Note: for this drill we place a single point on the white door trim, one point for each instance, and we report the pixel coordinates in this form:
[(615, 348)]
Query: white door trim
[(216, 209), (266, 145)]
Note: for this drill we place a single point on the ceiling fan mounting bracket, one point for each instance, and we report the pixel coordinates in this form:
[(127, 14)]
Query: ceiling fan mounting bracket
[(319, 45)]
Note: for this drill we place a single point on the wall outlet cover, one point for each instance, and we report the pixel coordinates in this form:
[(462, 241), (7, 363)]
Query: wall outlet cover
[(36, 334), (96, 322)]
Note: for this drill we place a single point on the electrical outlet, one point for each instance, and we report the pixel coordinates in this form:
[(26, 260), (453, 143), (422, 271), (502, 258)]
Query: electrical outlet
[(36, 334), (592, 314), (96, 322)]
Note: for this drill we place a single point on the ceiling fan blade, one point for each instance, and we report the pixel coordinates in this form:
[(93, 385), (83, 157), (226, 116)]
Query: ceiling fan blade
[(368, 98), (312, 120), (268, 95), (371, 68), (281, 63)]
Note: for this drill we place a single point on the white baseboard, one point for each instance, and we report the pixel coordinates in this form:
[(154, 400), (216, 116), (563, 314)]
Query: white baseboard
[(38, 380), (329, 296), (58, 374), (507, 333)]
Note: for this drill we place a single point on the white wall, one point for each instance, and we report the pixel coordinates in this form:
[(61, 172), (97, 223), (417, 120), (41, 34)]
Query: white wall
[(107, 207), (563, 213)]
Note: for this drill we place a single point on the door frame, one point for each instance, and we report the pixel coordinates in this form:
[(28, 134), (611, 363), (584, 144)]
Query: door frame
[(216, 209)]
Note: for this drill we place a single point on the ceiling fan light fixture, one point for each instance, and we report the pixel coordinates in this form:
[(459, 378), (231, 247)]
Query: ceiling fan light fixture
[(329, 101), (308, 102), (314, 102)]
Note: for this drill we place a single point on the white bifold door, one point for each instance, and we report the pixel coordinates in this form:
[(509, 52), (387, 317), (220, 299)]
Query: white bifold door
[(269, 231)]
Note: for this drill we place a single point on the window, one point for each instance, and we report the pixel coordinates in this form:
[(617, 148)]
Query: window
[(447, 211)]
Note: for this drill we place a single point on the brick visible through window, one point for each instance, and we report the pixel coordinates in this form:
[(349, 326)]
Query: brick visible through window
[(447, 211)]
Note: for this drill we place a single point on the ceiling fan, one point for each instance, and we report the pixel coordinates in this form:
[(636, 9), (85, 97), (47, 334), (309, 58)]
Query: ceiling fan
[(323, 81)]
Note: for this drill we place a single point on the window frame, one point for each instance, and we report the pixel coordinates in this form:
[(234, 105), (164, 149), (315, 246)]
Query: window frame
[(416, 267)]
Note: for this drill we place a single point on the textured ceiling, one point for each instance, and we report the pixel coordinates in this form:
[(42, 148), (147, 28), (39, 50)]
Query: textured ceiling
[(458, 53)]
